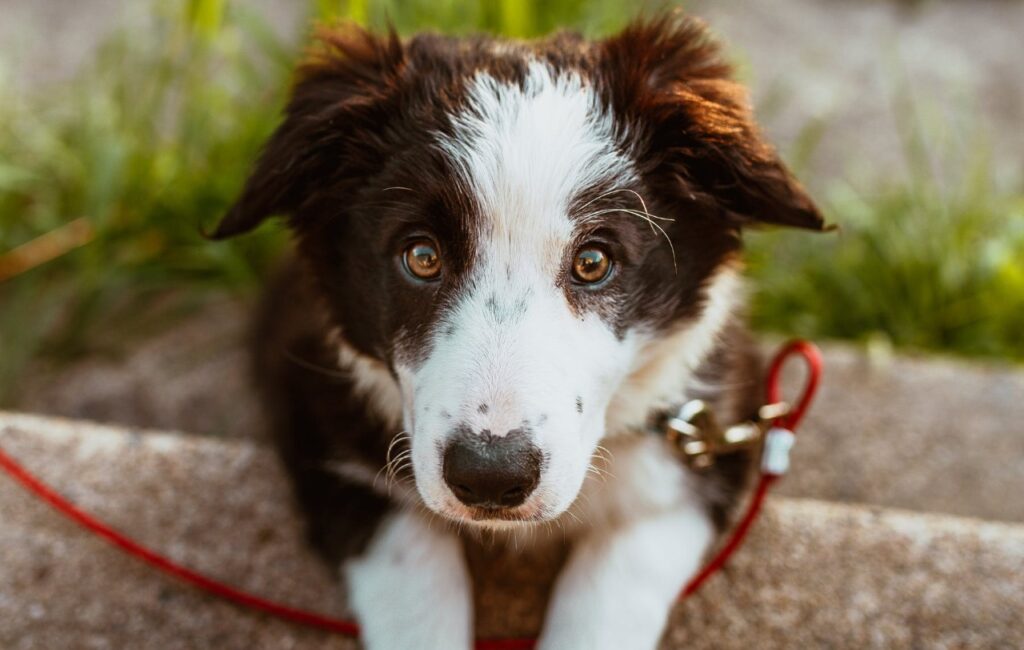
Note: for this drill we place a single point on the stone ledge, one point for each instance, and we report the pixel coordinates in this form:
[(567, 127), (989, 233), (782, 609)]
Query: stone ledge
[(812, 574), (927, 434)]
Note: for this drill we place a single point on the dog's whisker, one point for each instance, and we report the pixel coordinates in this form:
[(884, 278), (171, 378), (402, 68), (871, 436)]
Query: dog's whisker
[(574, 516), (600, 196), (391, 463), (646, 216), (401, 464), (597, 473), (650, 219), (401, 436), (333, 373), (616, 190)]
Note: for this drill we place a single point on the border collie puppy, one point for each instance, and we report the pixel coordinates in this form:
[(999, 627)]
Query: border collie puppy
[(514, 259)]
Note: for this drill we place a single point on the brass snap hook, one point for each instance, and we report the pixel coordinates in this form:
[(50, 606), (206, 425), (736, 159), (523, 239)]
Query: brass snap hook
[(699, 439)]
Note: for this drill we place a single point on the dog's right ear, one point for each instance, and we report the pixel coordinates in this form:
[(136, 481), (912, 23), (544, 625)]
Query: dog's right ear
[(669, 73), (344, 76)]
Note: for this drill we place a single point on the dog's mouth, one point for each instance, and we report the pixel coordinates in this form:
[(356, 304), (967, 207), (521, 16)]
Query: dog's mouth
[(495, 517)]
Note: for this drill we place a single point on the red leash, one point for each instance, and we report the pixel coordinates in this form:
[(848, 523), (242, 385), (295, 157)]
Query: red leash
[(775, 463), (776, 454)]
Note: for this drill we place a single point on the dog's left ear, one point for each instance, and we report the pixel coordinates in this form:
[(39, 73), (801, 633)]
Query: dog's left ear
[(338, 89), (668, 76)]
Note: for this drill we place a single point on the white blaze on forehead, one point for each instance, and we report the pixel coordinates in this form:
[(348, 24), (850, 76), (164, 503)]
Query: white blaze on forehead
[(526, 150), (511, 353)]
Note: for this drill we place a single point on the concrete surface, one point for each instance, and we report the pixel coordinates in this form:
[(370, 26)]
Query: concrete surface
[(812, 575), (928, 434), (193, 376), (860, 68), (925, 433)]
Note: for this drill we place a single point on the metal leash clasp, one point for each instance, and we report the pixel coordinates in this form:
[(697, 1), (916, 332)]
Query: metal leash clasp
[(699, 439)]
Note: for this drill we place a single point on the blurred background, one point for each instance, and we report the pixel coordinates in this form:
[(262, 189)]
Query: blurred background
[(127, 126)]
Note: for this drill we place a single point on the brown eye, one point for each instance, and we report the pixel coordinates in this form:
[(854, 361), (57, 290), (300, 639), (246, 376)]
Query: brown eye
[(592, 264), (422, 260)]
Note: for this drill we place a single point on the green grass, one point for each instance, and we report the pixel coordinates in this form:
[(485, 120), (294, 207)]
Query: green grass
[(153, 138), (519, 18), (931, 260), (150, 141)]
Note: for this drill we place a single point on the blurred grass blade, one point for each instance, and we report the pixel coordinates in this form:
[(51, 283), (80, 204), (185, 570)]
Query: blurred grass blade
[(45, 248), (517, 17), (206, 17)]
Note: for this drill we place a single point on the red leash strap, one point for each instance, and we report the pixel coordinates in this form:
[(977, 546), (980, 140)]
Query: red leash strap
[(777, 446), (164, 564)]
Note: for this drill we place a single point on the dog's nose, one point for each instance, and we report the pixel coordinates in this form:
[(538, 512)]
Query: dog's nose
[(492, 471)]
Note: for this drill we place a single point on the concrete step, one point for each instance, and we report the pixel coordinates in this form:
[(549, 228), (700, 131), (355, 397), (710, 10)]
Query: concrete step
[(927, 434), (813, 574)]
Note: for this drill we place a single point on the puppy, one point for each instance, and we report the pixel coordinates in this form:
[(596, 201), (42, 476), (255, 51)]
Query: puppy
[(514, 259)]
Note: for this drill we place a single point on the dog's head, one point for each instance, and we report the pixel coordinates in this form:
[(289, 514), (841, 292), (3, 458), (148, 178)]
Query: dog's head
[(529, 246)]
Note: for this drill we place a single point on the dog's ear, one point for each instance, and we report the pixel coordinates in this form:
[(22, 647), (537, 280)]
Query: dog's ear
[(336, 91), (669, 76)]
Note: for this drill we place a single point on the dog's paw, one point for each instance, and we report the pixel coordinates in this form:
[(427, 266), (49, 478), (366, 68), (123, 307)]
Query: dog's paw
[(411, 589), (619, 585)]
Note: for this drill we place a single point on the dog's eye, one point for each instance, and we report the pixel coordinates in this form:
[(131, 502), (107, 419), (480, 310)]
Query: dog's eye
[(592, 264), (422, 260)]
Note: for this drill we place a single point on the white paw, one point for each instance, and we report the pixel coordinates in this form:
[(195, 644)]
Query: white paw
[(411, 589), (619, 586)]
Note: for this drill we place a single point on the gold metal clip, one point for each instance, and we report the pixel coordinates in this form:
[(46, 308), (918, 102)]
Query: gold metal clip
[(699, 438)]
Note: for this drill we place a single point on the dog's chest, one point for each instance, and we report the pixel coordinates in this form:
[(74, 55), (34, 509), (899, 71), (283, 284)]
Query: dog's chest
[(634, 477)]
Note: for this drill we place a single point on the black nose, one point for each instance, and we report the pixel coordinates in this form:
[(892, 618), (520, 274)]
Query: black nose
[(491, 471)]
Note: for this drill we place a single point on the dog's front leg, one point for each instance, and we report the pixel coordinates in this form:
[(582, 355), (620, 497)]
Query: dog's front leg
[(411, 589), (619, 585)]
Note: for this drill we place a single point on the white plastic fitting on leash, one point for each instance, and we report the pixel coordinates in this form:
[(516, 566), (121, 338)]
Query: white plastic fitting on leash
[(775, 457)]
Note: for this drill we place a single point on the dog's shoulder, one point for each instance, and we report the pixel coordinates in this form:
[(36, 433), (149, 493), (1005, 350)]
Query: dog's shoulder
[(328, 441)]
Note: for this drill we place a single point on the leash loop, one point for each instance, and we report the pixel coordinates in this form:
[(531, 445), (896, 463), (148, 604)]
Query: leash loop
[(811, 356)]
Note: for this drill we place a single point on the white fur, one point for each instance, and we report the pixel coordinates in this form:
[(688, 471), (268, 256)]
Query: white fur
[(372, 382), (640, 535), (524, 152), (529, 370), (618, 587), (635, 477), (411, 589)]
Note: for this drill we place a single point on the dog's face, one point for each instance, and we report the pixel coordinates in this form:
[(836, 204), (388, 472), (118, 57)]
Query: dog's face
[(536, 242)]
